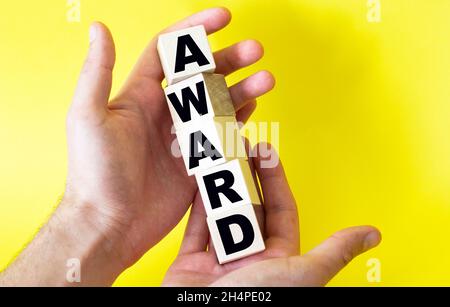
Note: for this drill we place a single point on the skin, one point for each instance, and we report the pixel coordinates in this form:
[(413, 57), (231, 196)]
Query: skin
[(280, 264), (119, 199)]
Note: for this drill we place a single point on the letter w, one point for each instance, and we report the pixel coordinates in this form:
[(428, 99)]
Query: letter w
[(187, 96)]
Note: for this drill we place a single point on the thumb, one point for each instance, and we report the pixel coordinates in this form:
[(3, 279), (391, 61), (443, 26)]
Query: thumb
[(94, 84), (315, 268), (337, 251)]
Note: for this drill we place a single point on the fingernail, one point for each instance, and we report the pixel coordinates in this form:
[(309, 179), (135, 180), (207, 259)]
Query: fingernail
[(371, 240), (92, 33)]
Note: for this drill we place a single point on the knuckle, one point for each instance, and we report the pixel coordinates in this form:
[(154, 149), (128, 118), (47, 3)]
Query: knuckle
[(280, 253), (346, 253)]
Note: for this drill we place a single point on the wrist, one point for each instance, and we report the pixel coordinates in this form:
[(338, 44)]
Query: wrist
[(87, 237)]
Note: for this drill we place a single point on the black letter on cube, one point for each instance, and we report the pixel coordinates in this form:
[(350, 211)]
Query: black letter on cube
[(187, 96), (223, 226), (214, 190), (182, 60), (195, 155)]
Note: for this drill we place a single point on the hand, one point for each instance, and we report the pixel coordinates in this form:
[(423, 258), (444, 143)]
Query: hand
[(120, 163), (125, 189), (280, 264)]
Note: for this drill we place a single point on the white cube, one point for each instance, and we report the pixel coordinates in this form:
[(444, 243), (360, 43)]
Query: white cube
[(203, 95), (235, 233), (207, 142), (185, 53), (227, 186)]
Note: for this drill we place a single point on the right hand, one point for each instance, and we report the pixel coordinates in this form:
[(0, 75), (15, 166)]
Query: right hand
[(122, 174), (281, 263)]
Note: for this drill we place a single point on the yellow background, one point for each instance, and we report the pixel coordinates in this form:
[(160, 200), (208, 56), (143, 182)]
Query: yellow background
[(364, 112)]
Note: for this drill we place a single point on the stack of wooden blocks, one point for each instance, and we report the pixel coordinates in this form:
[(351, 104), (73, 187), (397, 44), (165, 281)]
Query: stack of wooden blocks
[(208, 135)]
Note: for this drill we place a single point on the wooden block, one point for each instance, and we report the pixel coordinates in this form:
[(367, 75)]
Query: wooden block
[(227, 186), (207, 142), (235, 233), (203, 95), (185, 53)]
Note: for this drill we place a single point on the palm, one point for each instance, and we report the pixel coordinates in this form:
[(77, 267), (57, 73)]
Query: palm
[(149, 173), (202, 269)]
